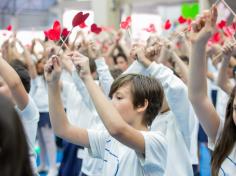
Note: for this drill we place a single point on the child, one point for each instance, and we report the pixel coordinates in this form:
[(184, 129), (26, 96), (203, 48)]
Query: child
[(222, 135), (14, 158), (128, 148), (16, 87)]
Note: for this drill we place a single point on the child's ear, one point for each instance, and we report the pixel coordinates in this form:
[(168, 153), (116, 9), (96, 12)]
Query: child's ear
[(142, 108)]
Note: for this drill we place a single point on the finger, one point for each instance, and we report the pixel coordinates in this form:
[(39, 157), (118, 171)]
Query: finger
[(194, 26)]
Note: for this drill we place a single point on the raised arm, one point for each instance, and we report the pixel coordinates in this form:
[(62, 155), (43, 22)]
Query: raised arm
[(111, 118), (175, 92), (14, 83), (223, 79), (29, 62), (183, 67), (104, 75), (60, 123), (197, 84)]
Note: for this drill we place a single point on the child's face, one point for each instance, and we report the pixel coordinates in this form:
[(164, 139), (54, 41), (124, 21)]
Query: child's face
[(122, 100), (122, 63)]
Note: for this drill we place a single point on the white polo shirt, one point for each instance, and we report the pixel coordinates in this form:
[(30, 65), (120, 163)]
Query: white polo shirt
[(120, 160)]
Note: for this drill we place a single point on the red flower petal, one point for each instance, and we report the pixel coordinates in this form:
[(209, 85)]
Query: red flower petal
[(9, 27), (221, 24), (83, 25), (216, 37), (95, 29), (79, 18), (65, 32), (53, 35), (167, 25), (57, 26), (182, 20), (126, 24)]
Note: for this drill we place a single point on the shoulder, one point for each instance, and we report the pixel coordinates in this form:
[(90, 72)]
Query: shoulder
[(30, 112)]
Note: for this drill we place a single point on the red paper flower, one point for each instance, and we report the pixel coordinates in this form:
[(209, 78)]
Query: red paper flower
[(79, 19), (221, 24), (216, 38), (83, 25), (9, 27), (167, 25), (95, 29), (151, 28), (55, 32), (182, 20), (126, 24), (65, 32)]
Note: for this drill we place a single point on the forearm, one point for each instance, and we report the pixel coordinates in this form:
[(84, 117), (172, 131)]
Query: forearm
[(14, 83), (105, 77), (222, 79), (176, 95), (57, 114), (30, 64), (183, 67), (197, 83), (109, 115)]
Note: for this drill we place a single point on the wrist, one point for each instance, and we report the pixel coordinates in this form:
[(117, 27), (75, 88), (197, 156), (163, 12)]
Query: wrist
[(87, 78), (53, 84)]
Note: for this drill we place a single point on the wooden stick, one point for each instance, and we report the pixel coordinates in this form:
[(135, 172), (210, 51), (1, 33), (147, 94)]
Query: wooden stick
[(65, 40)]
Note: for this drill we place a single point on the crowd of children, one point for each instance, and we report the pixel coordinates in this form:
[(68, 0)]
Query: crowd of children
[(123, 107)]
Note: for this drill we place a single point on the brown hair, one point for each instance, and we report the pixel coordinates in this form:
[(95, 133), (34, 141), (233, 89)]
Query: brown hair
[(227, 139), (14, 152), (142, 88)]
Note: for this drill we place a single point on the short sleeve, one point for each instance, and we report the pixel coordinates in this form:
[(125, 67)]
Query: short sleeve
[(97, 141), (154, 160), (211, 143), (30, 117)]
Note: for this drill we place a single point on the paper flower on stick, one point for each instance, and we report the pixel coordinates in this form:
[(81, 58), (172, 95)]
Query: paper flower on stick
[(182, 20), (65, 32), (126, 24), (54, 33), (95, 29), (167, 25), (9, 27), (151, 28), (79, 19), (221, 24)]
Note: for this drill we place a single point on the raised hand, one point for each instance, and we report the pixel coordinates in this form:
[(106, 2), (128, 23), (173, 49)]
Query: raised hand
[(52, 70), (204, 26), (93, 50), (228, 50), (81, 63)]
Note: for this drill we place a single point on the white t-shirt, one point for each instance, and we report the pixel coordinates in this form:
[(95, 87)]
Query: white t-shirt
[(39, 92), (221, 103), (228, 167), (81, 115), (178, 155), (30, 117), (120, 160)]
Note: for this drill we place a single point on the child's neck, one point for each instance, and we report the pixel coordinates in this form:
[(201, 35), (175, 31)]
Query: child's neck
[(140, 127)]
